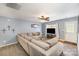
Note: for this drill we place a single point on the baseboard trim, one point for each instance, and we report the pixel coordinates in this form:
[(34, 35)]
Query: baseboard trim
[(63, 41), (70, 42), (8, 44)]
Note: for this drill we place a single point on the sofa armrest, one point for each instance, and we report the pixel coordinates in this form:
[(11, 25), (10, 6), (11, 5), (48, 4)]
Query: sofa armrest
[(36, 48), (56, 50)]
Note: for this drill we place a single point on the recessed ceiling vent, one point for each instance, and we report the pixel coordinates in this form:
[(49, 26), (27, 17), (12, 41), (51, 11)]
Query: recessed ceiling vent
[(13, 5)]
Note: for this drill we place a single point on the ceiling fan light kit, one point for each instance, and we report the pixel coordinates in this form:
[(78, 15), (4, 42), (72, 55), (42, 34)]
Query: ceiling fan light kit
[(44, 18)]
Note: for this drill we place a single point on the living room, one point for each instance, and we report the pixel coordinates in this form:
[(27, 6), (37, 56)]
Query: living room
[(39, 29)]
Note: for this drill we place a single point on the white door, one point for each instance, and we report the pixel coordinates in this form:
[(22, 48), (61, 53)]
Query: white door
[(71, 31)]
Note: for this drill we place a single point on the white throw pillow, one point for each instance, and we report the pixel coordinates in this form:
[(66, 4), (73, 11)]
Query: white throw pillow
[(52, 41), (41, 44)]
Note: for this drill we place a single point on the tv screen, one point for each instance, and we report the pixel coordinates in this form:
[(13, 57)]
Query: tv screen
[(51, 30)]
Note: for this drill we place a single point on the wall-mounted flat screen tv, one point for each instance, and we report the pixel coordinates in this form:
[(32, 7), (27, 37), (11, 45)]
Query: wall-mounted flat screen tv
[(51, 30)]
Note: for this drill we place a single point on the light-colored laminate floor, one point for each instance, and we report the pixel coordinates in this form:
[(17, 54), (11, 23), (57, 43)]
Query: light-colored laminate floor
[(17, 50), (13, 50), (69, 50)]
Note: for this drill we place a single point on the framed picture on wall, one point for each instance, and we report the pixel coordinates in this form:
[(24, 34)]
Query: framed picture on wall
[(34, 25)]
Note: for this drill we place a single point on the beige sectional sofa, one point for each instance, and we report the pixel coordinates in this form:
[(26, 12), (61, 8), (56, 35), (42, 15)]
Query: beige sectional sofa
[(37, 47)]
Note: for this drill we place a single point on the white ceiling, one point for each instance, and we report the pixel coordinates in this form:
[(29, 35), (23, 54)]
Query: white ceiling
[(31, 11)]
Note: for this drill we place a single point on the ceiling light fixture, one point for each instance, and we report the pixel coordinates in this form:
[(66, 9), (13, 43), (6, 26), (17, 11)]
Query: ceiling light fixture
[(44, 18)]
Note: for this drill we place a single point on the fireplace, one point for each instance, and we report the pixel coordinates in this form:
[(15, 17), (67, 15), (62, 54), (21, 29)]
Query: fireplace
[(51, 32)]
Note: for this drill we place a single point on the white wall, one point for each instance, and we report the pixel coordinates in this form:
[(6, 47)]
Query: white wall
[(19, 26), (24, 26), (78, 36)]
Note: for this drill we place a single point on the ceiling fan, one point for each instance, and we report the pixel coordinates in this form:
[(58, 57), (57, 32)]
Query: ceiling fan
[(44, 18)]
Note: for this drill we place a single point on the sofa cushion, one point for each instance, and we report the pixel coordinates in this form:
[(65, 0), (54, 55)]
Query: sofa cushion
[(37, 37), (28, 38), (35, 33), (41, 44), (22, 35), (29, 34), (52, 41)]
